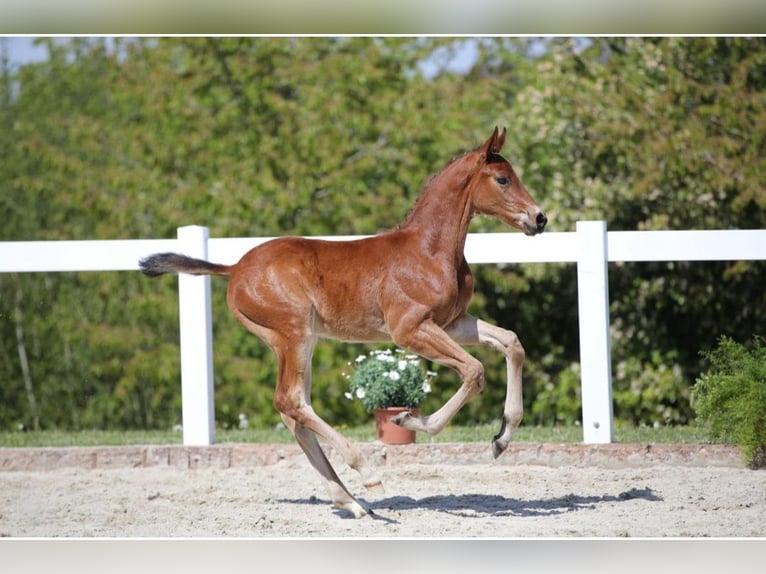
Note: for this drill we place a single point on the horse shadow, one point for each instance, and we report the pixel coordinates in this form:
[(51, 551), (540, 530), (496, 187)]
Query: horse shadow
[(492, 505)]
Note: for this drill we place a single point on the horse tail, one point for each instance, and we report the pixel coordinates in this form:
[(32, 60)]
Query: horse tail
[(161, 263)]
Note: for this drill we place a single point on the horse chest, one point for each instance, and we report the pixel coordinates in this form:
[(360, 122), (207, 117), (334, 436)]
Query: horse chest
[(460, 293), (453, 303)]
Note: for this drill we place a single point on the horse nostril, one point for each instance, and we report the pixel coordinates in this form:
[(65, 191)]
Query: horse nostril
[(541, 220)]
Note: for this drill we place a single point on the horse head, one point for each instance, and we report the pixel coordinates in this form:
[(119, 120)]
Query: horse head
[(497, 191)]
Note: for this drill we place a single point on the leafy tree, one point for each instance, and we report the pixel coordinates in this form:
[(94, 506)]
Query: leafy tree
[(248, 136), (273, 136)]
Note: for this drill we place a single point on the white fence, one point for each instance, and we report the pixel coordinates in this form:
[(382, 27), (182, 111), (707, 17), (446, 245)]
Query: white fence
[(591, 247)]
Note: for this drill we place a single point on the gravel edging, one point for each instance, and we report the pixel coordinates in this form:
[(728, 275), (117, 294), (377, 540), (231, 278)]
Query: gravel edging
[(231, 455)]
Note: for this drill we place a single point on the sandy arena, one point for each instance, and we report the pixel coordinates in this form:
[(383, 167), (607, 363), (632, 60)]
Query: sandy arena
[(432, 491)]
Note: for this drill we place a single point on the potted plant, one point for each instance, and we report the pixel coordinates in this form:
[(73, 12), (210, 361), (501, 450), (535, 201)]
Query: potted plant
[(387, 383)]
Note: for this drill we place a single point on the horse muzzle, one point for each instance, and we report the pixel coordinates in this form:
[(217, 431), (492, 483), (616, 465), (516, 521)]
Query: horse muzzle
[(536, 225)]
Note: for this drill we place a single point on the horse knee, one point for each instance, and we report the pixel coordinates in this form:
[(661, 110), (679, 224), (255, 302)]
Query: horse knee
[(514, 350)]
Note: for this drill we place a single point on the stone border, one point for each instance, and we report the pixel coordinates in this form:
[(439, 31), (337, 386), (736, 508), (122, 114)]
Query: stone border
[(231, 455)]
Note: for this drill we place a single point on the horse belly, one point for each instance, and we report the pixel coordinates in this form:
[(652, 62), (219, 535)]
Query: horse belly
[(349, 320)]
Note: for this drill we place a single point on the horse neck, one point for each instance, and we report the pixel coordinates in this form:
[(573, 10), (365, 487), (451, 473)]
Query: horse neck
[(443, 212)]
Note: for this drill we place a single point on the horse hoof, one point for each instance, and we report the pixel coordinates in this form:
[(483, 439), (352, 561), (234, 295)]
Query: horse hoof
[(500, 445), (402, 419), (354, 508)]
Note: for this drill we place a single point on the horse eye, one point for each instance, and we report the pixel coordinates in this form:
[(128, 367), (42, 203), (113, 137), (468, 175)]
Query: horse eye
[(502, 180)]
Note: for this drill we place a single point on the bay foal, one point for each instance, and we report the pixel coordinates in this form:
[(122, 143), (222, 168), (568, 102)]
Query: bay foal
[(411, 286)]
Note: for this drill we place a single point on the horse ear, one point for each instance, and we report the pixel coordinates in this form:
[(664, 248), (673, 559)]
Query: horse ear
[(494, 144), (501, 140)]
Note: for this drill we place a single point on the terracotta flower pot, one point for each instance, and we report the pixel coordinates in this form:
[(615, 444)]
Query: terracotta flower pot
[(390, 433)]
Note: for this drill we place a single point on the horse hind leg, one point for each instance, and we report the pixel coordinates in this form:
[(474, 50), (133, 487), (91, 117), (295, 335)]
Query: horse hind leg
[(339, 494), (305, 425), (292, 399)]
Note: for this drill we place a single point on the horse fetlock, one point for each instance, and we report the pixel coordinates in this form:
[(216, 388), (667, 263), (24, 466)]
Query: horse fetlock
[(514, 417), (409, 421), (342, 499), (353, 507)]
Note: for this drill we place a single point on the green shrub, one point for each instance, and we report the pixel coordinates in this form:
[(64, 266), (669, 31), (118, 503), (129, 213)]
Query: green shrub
[(730, 397)]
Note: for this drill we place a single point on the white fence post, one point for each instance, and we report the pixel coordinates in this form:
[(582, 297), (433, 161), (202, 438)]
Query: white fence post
[(595, 346), (197, 400)]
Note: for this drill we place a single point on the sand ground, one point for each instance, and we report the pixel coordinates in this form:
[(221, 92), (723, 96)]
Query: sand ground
[(441, 497)]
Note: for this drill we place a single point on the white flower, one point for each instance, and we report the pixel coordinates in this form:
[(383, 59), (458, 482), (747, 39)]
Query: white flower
[(360, 393), (360, 358), (402, 365), (426, 387), (394, 375), (430, 373), (349, 396), (384, 356)]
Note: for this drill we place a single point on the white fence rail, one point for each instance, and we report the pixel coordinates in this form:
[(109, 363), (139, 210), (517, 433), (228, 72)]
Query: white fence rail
[(591, 247)]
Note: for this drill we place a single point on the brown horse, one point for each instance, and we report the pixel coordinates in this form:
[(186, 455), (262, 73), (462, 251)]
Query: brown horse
[(411, 286)]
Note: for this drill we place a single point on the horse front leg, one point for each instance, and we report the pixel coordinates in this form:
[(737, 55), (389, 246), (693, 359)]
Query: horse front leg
[(432, 342), (469, 330)]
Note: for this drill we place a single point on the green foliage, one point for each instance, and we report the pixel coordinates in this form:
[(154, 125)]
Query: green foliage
[(649, 133), (385, 379), (306, 136), (556, 398), (651, 391), (730, 397)]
